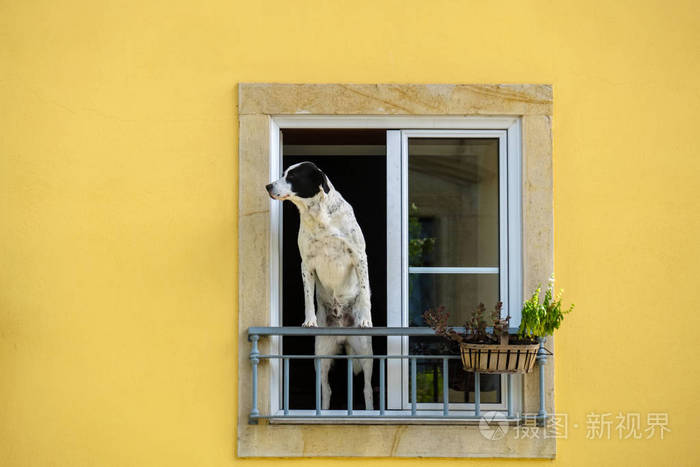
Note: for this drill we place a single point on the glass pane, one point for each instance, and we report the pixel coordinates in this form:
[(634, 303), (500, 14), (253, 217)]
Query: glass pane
[(458, 293), (429, 381), (453, 202)]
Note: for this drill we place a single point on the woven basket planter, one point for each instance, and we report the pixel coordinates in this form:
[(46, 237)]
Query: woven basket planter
[(499, 358)]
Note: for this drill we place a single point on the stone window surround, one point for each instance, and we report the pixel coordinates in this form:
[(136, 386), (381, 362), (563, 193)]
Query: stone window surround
[(257, 104)]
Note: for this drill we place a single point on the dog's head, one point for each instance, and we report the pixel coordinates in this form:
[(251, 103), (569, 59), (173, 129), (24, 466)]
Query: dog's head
[(300, 181)]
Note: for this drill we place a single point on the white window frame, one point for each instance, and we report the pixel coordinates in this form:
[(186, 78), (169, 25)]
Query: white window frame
[(399, 129), (396, 301)]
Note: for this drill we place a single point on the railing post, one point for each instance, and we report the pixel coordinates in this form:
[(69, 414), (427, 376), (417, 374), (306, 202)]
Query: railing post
[(254, 361), (317, 365), (349, 385), (414, 389), (509, 395), (477, 394), (445, 386), (541, 360), (382, 385), (286, 386)]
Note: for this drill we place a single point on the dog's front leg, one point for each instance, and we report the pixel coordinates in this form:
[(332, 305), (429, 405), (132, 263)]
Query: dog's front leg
[(363, 306), (308, 277), (363, 311)]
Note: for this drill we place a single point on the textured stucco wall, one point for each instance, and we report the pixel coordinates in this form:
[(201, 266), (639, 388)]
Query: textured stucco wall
[(118, 206)]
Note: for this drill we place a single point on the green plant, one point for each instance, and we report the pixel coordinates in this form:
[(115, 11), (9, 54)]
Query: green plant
[(541, 319)]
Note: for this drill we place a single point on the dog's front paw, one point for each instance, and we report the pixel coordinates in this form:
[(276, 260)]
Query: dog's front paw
[(310, 323), (365, 323)]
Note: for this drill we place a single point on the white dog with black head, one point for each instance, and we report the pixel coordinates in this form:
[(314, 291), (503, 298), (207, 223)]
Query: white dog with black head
[(333, 265)]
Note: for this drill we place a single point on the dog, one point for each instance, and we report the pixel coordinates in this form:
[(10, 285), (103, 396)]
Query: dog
[(333, 267)]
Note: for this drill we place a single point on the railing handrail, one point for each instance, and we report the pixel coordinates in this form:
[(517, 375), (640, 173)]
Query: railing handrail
[(376, 331)]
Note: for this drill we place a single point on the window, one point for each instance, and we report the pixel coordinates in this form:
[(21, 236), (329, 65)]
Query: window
[(440, 223), (391, 108)]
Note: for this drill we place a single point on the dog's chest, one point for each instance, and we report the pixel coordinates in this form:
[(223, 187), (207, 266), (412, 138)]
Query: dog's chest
[(327, 252)]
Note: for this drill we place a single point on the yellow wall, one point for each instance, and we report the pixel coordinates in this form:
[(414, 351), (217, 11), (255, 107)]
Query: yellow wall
[(118, 156)]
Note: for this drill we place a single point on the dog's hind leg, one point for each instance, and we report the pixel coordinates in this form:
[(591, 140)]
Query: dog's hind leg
[(362, 345), (326, 345), (325, 387), (367, 365), (363, 307)]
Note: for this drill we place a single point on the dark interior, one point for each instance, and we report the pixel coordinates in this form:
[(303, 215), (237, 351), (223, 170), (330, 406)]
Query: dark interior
[(355, 162)]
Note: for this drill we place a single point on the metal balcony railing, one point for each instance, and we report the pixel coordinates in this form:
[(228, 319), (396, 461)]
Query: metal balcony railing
[(382, 413)]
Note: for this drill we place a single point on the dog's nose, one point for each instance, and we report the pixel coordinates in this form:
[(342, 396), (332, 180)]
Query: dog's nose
[(268, 187)]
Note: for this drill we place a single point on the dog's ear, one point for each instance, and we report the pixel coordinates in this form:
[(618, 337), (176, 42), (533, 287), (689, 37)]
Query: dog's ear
[(324, 183)]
